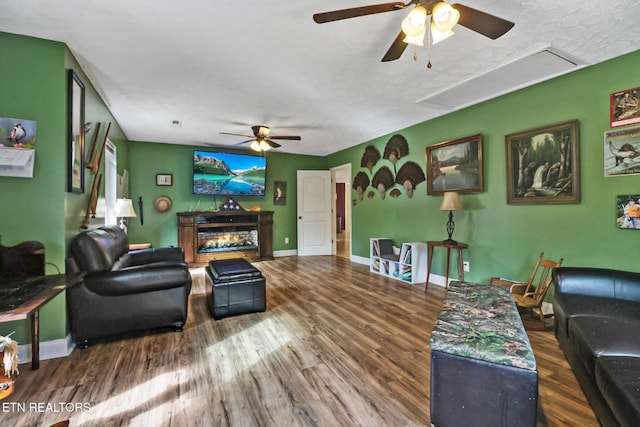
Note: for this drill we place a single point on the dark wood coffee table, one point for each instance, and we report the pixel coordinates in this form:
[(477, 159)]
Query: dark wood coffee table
[(23, 298)]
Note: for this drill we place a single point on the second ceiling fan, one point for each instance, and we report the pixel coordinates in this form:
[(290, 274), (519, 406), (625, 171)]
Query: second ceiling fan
[(444, 17), (261, 141)]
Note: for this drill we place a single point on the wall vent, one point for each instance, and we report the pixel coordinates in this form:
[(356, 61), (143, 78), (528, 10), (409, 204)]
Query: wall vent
[(526, 71)]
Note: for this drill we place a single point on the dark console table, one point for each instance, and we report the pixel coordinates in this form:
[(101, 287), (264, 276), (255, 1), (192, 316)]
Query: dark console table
[(23, 298)]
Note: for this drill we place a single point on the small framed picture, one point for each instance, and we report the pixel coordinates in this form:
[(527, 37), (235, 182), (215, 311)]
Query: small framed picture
[(628, 211), (280, 193), (625, 107), (164, 179)]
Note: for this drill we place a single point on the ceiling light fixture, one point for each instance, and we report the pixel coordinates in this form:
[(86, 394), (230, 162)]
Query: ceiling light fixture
[(260, 145), (443, 18), (414, 26)]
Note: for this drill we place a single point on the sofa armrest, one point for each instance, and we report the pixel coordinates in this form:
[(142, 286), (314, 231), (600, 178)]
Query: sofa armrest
[(137, 279), (151, 255)]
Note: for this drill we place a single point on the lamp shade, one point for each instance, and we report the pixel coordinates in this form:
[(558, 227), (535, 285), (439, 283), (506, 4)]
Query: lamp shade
[(451, 202), (414, 26), (260, 145), (124, 208), (444, 17)]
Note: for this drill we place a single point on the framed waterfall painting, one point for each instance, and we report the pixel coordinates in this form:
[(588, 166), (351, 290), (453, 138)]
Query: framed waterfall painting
[(542, 165)]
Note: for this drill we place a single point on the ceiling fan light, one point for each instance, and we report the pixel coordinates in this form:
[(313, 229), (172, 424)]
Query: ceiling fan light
[(415, 22), (444, 17), (416, 40), (264, 145), (255, 145), (438, 36), (263, 131)]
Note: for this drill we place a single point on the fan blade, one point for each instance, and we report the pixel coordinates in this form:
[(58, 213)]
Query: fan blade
[(290, 138), (244, 142), (337, 15), (272, 144), (482, 22), (396, 49), (236, 134)]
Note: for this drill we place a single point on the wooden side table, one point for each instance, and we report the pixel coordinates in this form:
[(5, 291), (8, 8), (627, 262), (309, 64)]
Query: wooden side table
[(449, 245), (23, 299)]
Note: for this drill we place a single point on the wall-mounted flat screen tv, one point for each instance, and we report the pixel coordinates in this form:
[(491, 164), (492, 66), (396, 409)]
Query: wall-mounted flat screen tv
[(228, 174)]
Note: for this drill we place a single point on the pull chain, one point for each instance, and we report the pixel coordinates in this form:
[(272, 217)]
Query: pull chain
[(429, 46)]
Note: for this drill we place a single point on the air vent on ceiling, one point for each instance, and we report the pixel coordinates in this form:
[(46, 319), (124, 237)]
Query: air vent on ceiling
[(534, 68)]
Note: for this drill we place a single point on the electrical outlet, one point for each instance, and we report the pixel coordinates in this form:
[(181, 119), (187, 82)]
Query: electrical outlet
[(286, 240), (465, 265)]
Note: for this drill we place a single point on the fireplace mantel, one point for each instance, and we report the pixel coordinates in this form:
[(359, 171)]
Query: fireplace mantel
[(195, 227)]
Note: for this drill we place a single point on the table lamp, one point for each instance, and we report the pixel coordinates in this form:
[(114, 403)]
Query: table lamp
[(451, 202), (124, 209)]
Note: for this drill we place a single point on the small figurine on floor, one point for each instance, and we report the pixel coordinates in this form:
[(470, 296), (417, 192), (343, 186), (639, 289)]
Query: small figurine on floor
[(9, 361)]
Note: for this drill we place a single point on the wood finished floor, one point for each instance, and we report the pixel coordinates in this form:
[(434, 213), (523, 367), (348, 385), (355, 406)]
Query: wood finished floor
[(337, 346)]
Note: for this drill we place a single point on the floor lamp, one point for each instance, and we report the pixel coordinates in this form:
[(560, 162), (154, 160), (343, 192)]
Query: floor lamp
[(451, 202)]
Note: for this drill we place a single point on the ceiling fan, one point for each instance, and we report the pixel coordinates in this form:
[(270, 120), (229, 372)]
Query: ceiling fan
[(444, 17), (261, 141)]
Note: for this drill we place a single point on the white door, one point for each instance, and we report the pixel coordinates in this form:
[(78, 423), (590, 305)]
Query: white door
[(314, 213)]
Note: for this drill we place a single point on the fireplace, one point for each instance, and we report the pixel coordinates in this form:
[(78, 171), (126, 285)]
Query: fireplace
[(206, 236), (227, 239)]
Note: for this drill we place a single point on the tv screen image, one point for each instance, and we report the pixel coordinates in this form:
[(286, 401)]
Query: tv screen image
[(228, 174)]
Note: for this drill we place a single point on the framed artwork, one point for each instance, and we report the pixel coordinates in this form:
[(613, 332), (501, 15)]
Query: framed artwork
[(628, 211), (164, 179), (455, 166), (542, 165), (75, 132), (17, 133), (279, 193), (622, 152), (624, 107)]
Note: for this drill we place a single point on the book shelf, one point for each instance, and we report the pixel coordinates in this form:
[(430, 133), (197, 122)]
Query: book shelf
[(408, 263)]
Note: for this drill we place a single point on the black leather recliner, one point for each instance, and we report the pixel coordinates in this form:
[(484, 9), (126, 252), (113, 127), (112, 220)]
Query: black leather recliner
[(124, 291)]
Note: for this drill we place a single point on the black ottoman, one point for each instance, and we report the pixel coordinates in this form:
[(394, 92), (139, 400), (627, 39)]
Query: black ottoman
[(237, 288)]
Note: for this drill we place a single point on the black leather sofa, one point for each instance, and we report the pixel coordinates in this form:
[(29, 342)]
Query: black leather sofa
[(124, 291), (597, 319)]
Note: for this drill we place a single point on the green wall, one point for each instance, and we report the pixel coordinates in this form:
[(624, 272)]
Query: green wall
[(504, 240), (148, 159), (34, 87)]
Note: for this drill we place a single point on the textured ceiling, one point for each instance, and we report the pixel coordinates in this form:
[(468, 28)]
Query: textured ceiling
[(224, 66)]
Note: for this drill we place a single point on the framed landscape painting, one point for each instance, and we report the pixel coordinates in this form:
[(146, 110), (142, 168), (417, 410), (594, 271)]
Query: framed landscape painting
[(455, 166), (542, 165)]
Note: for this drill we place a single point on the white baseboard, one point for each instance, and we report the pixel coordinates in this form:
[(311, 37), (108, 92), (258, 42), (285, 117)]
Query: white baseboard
[(288, 252), (53, 349), (359, 259)]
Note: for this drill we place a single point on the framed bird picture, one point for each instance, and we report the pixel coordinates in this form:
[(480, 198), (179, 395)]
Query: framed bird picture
[(455, 166), (17, 133)]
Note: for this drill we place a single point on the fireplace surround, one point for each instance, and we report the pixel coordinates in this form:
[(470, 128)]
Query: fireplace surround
[(207, 236)]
